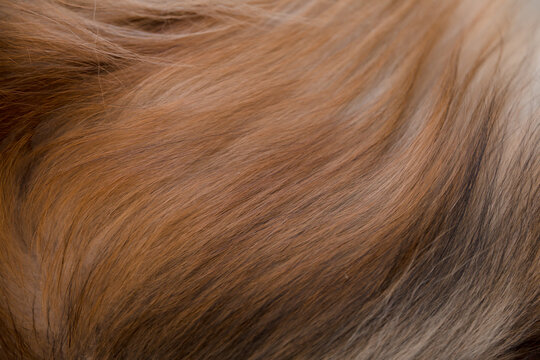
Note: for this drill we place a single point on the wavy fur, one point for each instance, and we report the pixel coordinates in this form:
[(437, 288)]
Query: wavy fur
[(350, 179)]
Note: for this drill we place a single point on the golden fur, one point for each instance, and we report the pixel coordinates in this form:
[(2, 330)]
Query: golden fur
[(307, 179)]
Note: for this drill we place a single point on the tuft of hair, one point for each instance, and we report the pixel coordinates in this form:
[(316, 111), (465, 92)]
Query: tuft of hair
[(270, 179)]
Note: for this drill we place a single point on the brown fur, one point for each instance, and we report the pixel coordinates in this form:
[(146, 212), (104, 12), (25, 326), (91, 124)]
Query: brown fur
[(308, 179)]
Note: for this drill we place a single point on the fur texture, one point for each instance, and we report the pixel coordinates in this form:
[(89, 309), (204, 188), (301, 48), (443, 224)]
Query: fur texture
[(308, 179)]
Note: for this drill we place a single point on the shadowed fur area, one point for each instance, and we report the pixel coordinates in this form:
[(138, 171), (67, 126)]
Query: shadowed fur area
[(270, 179)]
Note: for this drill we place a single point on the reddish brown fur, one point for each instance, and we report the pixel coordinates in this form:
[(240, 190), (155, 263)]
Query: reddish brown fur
[(350, 179)]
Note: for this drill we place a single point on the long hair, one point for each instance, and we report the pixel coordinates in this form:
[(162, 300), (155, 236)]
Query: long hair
[(308, 179)]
